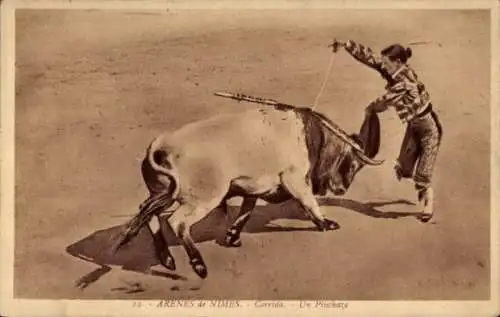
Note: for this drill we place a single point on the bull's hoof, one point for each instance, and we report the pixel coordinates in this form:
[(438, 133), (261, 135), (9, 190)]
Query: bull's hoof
[(232, 241), (169, 263), (424, 218), (328, 225), (199, 268), (228, 242), (331, 225)]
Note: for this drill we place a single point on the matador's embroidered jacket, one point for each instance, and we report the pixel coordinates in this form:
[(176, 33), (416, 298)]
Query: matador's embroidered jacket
[(404, 91)]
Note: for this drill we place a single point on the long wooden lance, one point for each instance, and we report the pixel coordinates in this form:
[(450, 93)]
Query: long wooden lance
[(284, 106), (264, 101)]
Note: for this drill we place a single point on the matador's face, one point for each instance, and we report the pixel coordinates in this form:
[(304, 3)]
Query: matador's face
[(390, 66)]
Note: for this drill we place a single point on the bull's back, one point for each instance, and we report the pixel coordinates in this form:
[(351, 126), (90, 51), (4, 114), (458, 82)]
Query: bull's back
[(257, 141)]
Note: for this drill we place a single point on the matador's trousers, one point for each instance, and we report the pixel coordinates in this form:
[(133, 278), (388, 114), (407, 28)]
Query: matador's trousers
[(420, 148)]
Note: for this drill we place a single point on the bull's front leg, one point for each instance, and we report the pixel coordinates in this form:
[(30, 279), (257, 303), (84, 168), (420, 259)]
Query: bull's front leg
[(297, 186), (232, 238)]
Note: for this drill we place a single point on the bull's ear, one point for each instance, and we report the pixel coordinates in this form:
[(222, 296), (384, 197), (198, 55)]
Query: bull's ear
[(370, 134)]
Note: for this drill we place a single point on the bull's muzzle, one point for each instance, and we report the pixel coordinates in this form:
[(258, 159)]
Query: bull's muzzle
[(337, 190)]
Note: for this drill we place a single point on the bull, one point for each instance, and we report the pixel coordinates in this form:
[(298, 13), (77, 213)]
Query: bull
[(269, 154)]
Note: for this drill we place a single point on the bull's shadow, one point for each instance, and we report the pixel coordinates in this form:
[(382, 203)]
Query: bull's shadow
[(369, 208), (139, 254)]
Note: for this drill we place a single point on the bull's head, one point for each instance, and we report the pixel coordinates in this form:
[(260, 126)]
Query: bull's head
[(346, 158)]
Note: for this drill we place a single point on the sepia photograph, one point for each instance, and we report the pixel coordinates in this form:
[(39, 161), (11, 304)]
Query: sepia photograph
[(173, 159)]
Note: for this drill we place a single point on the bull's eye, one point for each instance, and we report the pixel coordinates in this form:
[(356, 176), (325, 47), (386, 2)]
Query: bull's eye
[(353, 168)]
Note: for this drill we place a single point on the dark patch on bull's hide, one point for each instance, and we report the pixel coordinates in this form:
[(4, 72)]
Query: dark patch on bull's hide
[(317, 141)]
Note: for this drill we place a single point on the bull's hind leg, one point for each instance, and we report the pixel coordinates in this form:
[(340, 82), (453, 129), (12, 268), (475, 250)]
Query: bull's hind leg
[(180, 222), (161, 246), (298, 188), (232, 238)]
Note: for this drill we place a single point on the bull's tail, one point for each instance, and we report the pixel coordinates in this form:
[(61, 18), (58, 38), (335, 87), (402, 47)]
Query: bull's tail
[(157, 158), (152, 206), (155, 203)]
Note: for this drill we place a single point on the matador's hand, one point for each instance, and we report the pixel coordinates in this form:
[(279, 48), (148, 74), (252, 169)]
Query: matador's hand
[(376, 107), (335, 45)]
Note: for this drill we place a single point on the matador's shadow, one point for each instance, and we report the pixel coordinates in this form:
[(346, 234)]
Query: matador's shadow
[(139, 254)]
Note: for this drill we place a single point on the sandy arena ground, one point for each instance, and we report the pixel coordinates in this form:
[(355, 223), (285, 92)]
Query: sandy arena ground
[(94, 87)]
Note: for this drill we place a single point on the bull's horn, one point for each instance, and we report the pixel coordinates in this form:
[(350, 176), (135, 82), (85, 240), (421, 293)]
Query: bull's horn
[(360, 153), (365, 159)]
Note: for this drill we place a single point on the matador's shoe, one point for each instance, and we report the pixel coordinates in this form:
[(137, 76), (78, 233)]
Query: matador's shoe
[(426, 200)]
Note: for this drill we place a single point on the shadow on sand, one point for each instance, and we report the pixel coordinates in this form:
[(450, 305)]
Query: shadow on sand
[(139, 254)]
